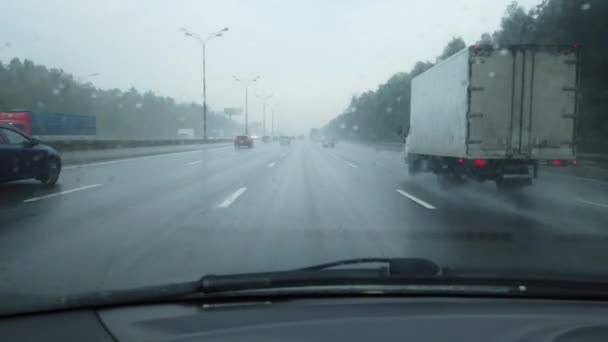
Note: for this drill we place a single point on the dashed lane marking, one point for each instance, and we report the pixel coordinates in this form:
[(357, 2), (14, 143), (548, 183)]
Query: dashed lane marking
[(228, 201), (416, 199), (34, 199)]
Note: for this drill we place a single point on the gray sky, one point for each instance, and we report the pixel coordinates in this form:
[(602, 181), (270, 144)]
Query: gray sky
[(313, 55)]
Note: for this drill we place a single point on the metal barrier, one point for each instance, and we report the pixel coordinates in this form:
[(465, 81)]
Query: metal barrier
[(100, 144)]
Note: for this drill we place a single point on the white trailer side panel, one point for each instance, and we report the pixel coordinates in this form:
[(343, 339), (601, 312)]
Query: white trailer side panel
[(439, 107)]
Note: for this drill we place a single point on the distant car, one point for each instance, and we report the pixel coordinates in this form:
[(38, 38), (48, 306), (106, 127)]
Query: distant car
[(24, 157), (243, 140), (285, 140), (329, 142), (266, 138)]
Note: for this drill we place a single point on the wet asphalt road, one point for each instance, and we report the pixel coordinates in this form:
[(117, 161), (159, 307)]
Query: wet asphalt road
[(175, 217)]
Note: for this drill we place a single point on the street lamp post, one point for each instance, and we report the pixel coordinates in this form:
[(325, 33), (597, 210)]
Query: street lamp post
[(265, 99), (203, 43), (246, 85), (272, 119)]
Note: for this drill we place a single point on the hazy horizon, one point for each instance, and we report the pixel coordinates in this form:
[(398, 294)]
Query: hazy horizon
[(312, 57)]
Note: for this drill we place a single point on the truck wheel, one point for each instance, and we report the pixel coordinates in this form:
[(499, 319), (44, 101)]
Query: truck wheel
[(51, 173)]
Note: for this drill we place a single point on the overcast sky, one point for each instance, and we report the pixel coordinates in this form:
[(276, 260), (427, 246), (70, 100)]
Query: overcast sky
[(313, 55)]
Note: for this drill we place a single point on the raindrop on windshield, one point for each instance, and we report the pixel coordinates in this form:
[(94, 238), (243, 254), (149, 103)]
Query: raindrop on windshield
[(504, 52), (389, 109), (56, 91), (138, 105), (586, 6), (492, 74), (398, 99)]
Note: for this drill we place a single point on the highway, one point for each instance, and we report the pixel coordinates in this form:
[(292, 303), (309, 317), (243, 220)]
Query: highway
[(175, 217)]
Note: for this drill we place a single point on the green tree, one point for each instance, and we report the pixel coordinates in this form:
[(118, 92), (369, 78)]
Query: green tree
[(455, 45), (119, 114)]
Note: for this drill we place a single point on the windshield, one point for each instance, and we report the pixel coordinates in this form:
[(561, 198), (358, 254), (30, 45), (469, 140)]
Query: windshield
[(146, 167)]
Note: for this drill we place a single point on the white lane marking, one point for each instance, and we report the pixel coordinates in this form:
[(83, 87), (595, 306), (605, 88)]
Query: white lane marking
[(335, 156), (122, 160), (194, 162), (34, 199), (228, 201), (271, 164), (415, 199), (601, 205)]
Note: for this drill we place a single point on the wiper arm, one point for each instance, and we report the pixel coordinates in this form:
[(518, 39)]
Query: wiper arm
[(322, 275)]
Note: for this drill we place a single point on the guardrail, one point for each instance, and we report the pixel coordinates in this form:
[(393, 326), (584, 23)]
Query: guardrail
[(592, 156), (100, 144)]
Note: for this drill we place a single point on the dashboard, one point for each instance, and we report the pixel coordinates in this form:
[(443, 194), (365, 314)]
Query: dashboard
[(334, 319)]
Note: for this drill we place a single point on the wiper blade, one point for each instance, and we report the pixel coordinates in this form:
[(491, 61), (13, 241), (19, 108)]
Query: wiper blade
[(411, 266), (324, 275)]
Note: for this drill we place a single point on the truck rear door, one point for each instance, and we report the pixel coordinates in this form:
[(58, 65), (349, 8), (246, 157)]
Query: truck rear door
[(522, 102), (489, 124), (550, 122)]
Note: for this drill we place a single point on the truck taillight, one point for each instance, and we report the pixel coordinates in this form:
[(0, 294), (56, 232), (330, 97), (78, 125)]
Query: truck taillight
[(574, 162), (460, 161), (480, 162), (556, 162)]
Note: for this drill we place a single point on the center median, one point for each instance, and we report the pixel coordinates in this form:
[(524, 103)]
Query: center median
[(77, 153)]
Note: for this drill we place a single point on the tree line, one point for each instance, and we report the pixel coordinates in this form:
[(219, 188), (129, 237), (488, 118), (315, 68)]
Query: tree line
[(383, 113), (119, 114)]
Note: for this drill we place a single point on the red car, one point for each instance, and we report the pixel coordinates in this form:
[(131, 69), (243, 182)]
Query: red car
[(243, 140)]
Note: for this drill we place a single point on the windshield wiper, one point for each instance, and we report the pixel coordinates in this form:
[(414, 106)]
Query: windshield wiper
[(325, 275), (413, 266), (400, 275), (396, 271)]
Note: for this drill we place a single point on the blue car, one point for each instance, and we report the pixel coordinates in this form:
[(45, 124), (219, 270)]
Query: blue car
[(23, 157)]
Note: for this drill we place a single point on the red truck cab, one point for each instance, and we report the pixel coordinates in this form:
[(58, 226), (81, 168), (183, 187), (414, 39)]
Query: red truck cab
[(21, 120)]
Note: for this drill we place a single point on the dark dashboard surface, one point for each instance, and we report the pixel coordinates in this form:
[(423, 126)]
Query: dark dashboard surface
[(357, 319)]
